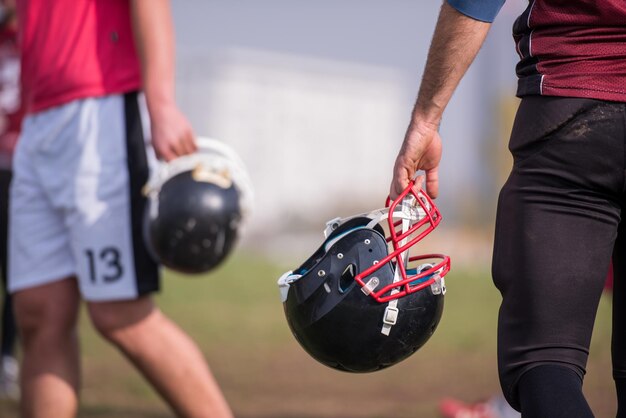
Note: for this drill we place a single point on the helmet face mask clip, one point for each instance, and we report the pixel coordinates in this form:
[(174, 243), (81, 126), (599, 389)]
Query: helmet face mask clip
[(361, 302)]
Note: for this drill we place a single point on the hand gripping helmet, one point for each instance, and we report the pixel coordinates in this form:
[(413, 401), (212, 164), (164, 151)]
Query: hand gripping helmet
[(361, 303), (196, 205)]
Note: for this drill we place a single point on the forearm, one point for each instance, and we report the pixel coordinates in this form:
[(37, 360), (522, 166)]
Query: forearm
[(154, 35), (456, 41)]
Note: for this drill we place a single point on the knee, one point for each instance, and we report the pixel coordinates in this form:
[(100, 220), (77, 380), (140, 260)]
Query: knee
[(508, 383), (515, 380), (114, 320)]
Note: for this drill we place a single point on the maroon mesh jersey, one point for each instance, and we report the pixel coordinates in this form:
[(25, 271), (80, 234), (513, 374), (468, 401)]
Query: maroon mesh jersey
[(574, 48)]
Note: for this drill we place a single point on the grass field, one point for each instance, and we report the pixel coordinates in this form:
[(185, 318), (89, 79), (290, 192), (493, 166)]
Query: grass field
[(236, 317)]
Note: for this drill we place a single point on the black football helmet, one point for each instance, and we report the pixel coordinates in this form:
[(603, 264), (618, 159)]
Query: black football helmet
[(361, 303), (196, 206)]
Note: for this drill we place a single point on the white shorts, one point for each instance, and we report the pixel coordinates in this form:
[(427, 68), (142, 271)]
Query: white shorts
[(76, 205)]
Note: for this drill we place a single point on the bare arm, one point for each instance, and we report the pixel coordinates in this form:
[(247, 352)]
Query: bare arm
[(456, 41), (172, 135)]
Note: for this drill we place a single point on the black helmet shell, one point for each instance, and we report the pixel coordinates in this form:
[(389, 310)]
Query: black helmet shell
[(192, 225), (337, 323)]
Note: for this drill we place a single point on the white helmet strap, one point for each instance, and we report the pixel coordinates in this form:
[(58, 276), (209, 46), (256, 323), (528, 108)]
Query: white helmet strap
[(391, 311), (214, 162)]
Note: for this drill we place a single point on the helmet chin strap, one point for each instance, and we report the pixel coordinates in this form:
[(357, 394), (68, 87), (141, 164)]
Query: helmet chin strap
[(390, 317)]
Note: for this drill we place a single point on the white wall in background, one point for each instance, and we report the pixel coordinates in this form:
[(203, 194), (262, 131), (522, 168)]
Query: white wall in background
[(318, 136)]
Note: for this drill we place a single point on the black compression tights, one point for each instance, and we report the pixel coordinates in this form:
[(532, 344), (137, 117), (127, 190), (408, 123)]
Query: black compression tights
[(7, 323), (8, 332), (620, 385), (552, 391)]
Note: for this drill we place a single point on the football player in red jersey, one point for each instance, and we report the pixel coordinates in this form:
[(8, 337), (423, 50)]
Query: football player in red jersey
[(11, 113), (559, 214), (76, 203)]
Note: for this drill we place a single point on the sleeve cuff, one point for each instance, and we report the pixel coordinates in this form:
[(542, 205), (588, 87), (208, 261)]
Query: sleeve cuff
[(483, 10)]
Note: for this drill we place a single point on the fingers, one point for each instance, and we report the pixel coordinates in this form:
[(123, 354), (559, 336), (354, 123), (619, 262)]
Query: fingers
[(432, 182), (183, 143), (175, 149), (421, 150), (402, 177), (173, 137), (164, 153), (419, 182), (188, 143)]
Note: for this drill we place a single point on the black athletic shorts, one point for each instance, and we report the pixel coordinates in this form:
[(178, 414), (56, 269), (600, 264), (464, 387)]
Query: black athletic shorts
[(557, 227)]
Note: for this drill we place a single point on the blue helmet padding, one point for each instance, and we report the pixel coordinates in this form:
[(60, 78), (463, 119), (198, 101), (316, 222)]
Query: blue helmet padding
[(412, 272), (326, 245), (349, 226), (335, 238)]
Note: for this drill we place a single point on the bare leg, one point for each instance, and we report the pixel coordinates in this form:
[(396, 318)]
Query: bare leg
[(165, 355), (46, 318)]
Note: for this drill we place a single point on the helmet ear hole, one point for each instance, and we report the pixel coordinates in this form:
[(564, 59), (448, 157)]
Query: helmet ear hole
[(346, 280)]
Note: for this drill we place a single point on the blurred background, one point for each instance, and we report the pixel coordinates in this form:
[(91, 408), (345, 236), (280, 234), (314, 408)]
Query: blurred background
[(316, 97)]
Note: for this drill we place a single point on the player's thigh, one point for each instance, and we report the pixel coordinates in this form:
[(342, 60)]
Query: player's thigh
[(48, 309), (106, 220), (556, 225), (111, 317), (39, 250)]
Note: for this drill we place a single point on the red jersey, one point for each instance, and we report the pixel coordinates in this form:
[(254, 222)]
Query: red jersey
[(574, 48), (75, 49)]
